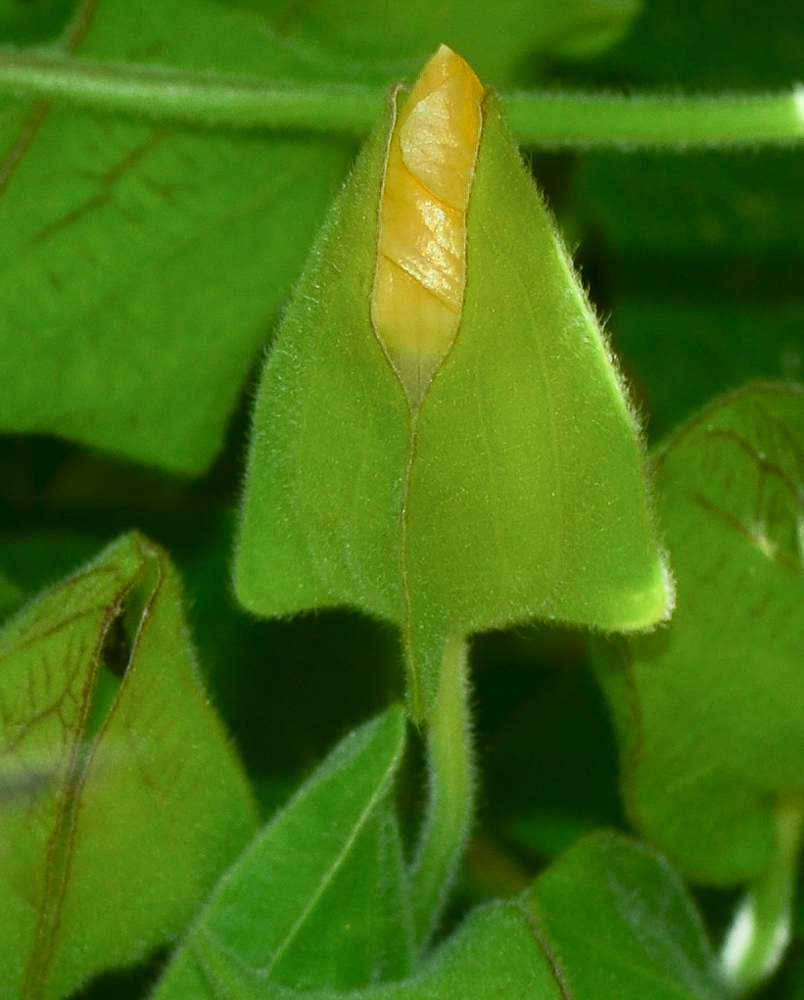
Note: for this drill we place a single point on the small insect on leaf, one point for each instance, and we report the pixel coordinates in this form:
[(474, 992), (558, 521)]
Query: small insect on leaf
[(421, 260)]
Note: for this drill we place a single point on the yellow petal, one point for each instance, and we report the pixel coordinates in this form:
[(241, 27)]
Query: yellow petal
[(421, 258)]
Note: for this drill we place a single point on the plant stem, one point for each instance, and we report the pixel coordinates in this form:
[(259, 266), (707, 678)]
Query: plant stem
[(760, 932), (656, 120), (537, 119), (451, 791), (190, 97)]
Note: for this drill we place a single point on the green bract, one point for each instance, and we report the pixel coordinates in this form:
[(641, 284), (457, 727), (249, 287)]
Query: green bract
[(517, 493), (320, 896)]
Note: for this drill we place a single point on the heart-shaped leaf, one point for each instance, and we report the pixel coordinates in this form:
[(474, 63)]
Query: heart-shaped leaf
[(622, 927)]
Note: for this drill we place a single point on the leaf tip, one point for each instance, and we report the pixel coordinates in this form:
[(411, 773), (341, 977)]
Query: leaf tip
[(652, 604)]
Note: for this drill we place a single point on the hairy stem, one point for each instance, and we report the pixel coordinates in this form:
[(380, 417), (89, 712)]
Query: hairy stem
[(537, 119), (760, 932), (657, 120), (190, 97), (451, 793)]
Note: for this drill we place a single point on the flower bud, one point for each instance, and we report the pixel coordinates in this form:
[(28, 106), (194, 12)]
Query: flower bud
[(420, 277)]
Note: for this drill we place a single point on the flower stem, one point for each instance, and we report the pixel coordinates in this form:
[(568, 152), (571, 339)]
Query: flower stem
[(537, 119), (451, 793), (760, 932)]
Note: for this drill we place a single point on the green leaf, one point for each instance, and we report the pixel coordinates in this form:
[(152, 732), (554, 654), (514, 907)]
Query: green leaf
[(391, 40), (609, 921), (621, 926), (707, 709), (494, 955), (120, 798), (142, 265), (518, 491), (320, 897)]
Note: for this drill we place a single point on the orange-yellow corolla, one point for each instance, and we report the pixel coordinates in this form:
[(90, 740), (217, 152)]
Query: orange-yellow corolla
[(421, 260)]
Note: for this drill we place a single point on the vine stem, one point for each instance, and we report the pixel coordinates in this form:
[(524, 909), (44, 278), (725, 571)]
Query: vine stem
[(756, 941), (537, 119), (190, 97), (450, 805)]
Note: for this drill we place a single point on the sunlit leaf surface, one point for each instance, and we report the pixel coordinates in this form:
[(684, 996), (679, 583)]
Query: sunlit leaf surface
[(505, 43), (609, 921)]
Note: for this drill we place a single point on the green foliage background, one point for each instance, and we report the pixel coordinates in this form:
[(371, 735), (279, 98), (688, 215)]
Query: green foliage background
[(694, 258)]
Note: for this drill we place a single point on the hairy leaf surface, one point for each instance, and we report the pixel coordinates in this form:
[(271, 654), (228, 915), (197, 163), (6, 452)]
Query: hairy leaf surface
[(515, 491), (608, 921), (320, 897), (120, 798)]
